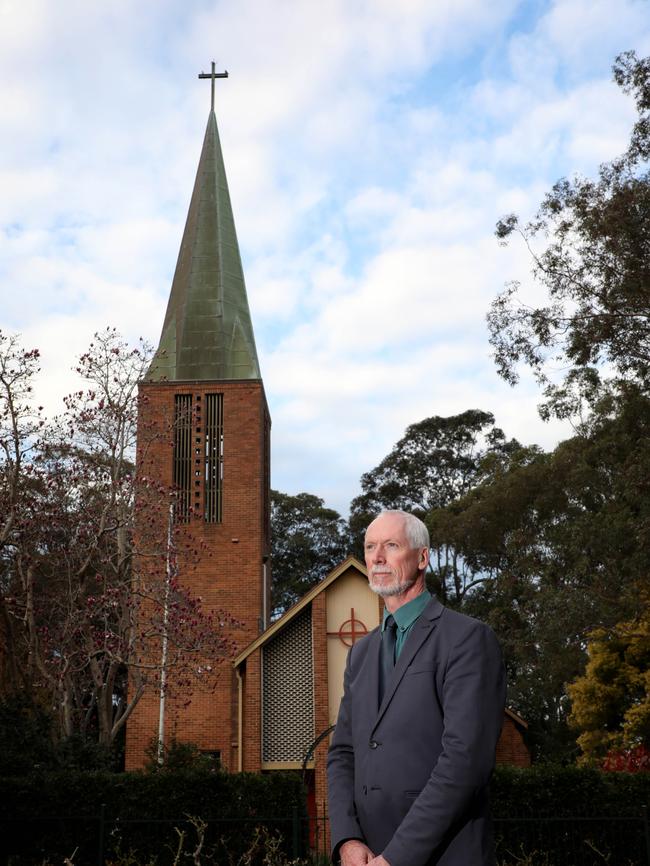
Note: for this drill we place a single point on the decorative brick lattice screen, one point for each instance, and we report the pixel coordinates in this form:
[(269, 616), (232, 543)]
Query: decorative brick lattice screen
[(288, 692)]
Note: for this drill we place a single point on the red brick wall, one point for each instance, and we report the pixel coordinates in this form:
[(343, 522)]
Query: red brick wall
[(511, 748), (225, 563), (252, 709)]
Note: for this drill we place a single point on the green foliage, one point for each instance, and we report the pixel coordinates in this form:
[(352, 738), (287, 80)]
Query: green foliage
[(307, 541), (190, 813), (84, 753), (435, 462), (564, 540), (596, 269), (556, 791), (28, 742), (544, 547), (25, 736), (233, 805), (549, 793), (610, 703), (549, 547), (177, 755)]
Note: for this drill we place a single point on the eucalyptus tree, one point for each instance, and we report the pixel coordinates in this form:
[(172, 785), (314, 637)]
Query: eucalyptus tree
[(437, 461), (590, 249), (307, 541)]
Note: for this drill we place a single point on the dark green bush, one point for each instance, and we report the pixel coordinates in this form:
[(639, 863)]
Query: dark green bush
[(550, 791), (25, 736), (569, 815), (28, 743), (177, 755), (49, 816), (564, 814)]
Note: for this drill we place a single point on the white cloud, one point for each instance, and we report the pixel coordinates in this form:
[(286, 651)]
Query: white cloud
[(370, 148), (581, 30)]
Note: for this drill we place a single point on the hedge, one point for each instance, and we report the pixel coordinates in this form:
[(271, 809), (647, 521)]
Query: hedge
[(49, 816), (551, 791), (570, 815)]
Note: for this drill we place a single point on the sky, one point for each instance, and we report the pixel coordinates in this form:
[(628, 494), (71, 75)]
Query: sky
[(370, 148)]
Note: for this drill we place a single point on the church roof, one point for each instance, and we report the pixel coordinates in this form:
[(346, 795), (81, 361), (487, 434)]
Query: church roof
[(281, 623), (516, 718), (207, 333)]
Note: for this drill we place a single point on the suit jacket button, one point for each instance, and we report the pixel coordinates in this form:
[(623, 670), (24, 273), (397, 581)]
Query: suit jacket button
[(373, 744)]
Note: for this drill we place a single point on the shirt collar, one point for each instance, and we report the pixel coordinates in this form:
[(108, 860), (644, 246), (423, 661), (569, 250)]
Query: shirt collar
[(406, 615)]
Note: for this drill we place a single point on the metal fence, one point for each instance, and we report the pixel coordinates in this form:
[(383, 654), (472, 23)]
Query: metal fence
[(573, 841), (101, 840)]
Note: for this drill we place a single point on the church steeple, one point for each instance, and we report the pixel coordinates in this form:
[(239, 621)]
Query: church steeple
[(207, 333), (204, 435)]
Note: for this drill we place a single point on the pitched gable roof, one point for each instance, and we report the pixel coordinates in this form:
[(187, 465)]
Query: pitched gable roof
[(286, 618)]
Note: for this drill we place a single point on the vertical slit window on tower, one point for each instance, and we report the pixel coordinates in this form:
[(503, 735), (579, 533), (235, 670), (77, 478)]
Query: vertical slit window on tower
[(183, 455), (213, 457)]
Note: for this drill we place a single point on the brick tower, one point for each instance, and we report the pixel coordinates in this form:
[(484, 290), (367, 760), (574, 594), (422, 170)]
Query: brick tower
[(204, 388)]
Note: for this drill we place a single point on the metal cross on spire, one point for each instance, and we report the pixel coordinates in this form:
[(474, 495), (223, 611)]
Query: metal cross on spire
[(213, 75)]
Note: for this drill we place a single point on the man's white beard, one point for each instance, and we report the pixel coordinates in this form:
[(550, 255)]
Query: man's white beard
[(390, 589)]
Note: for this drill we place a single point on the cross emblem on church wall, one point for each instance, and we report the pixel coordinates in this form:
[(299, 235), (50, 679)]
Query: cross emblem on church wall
[(350, 631)]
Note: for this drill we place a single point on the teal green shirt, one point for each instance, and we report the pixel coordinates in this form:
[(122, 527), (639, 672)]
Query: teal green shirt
[(405, 617)]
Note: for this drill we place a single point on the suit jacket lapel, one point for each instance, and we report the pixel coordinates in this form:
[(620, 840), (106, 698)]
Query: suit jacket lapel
[(421, 630)]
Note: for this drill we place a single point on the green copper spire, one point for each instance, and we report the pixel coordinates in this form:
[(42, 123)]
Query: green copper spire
[(207, 333)]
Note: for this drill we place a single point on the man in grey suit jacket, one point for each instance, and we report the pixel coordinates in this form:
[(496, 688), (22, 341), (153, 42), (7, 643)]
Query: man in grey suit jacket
[(408, 771)]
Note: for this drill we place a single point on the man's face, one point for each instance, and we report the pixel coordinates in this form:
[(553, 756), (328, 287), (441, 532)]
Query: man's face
[(393, 565)]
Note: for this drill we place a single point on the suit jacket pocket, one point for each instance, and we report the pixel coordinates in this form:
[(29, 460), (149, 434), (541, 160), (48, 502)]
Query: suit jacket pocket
[(428, 668)]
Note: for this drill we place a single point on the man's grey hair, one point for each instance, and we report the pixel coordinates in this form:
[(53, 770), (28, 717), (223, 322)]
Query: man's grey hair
[(416, 531)]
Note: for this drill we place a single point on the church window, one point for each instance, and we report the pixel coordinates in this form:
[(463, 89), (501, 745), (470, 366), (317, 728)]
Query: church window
[(182, 475), (213, 757), (288, 692), (213, 457)]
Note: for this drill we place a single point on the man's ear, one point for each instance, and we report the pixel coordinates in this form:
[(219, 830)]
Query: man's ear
[(424, 558)]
